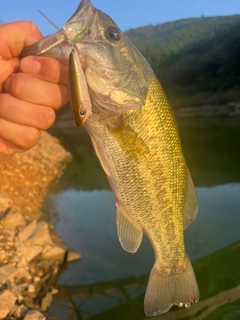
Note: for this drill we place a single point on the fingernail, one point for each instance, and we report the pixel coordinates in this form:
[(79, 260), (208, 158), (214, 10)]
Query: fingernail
[(30, 65)]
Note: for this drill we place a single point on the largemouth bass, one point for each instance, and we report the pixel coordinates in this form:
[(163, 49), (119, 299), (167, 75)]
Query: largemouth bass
[(135, 137)]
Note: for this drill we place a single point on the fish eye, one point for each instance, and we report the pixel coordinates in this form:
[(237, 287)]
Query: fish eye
[(113, 34)]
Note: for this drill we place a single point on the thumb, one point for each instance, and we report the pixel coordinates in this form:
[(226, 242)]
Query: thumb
[(15, 36)]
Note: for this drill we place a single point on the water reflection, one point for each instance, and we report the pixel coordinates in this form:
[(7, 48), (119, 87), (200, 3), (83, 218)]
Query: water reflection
[(108, 283)]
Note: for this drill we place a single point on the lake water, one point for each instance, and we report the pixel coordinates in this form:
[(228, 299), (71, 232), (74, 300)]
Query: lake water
[(108, 283)]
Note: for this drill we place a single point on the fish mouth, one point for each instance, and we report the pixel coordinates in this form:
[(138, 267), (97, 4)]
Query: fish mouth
[(108, 72), (60, 44)]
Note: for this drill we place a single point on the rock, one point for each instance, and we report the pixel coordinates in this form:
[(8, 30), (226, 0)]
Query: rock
[(53, 252), (27, 231), (5, 203), (7, 300), (10, 243), (54, 291), (23, 273), (10, 234), (46, 301), (7, 272), (40, 273), (23, 286), (22, 262), (40, 236), (24, 181), (36, 279), (13, 219), (18, 311), (28, 252), (25, 176), (31, 288), (73, 256), (11, 286), (34, 315), (2, 255)]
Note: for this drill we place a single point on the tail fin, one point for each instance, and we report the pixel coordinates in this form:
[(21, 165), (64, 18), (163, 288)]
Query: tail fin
[(164, 290)]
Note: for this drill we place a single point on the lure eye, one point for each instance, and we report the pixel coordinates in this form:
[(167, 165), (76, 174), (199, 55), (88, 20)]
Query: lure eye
[(113, 34), (82, 113)]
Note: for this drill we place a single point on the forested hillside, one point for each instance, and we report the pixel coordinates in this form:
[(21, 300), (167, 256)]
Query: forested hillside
[(197, 60)]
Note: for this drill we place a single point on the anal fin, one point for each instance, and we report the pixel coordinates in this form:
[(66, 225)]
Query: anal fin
[(129, 235)]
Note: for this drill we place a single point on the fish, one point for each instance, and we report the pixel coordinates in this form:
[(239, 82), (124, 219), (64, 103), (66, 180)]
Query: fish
[(135, 136)]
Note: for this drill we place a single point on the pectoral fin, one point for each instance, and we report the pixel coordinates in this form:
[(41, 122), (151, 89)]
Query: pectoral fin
[(190, 207), (130, 235), (100, 156), (129, 141)]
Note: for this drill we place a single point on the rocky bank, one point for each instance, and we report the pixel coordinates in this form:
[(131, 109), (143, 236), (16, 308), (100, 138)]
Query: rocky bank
[(31, 253)]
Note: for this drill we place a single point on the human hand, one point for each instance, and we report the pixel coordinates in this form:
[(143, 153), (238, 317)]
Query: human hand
[(30, 89)]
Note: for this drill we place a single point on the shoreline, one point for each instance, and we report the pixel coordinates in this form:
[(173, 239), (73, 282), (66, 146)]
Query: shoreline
[(65, 120)]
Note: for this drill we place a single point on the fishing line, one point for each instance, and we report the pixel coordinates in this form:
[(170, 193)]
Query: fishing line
[(52, 23), (55, 26)]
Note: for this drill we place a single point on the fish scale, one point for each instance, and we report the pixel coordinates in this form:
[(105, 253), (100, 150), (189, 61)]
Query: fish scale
[(142, 187)]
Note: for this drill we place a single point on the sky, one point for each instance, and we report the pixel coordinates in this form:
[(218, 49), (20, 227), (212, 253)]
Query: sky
[(126, 13)]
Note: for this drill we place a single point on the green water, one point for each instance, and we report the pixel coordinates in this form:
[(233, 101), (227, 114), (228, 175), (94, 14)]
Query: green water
[(108, 283)]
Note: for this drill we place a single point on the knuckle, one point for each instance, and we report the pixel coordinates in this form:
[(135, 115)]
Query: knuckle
[(30, 138), (64, 96), (11, 148), (4, 103), (50, 69), (58, 97), (17, 85), (31, 28), (5, 147), (55, 72), (2, 127), (47, 118), (30, 25)]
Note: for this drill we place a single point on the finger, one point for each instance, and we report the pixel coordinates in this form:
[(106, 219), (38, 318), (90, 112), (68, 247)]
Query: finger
[(7, 147), (34, 90), (15, 36), (47, 69), (21, 136), (7, 68), (25, 113)]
